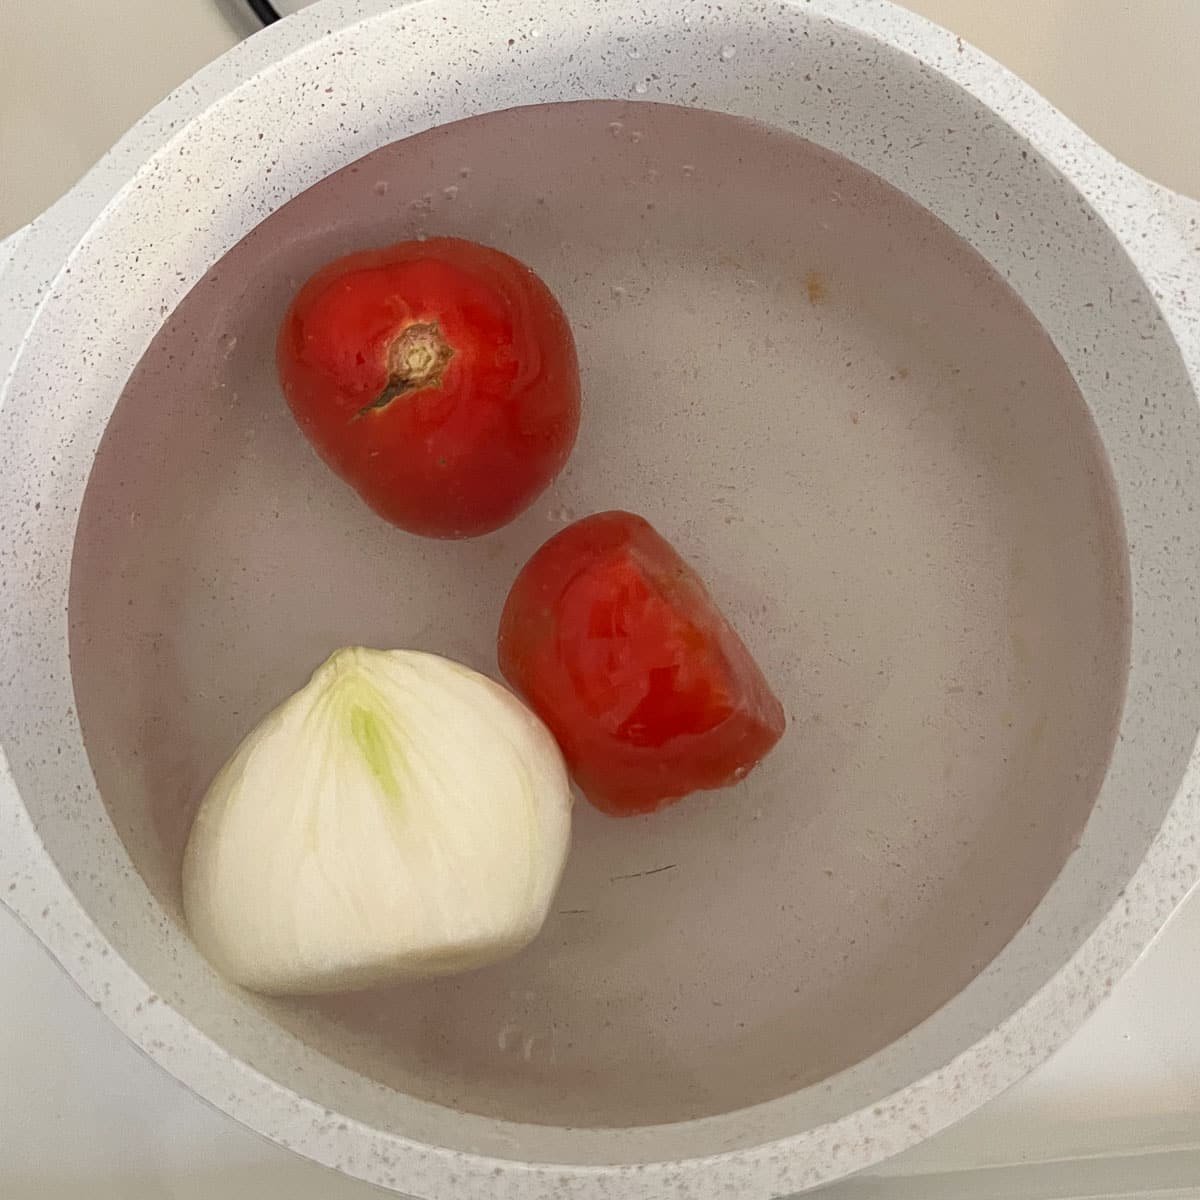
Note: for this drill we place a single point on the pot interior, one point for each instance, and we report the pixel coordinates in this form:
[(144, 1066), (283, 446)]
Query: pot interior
[(870, 450)]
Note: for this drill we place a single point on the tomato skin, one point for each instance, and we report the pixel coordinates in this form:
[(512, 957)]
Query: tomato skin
[(617, 646), (474, 432)]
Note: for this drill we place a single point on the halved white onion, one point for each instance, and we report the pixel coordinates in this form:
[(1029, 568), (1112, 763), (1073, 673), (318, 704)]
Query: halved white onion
[(399, 816)]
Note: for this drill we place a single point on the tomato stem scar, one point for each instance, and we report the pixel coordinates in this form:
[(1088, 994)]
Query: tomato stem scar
[(416, 359)]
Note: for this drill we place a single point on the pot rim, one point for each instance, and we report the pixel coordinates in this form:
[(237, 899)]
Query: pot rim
[(1006, 1053)]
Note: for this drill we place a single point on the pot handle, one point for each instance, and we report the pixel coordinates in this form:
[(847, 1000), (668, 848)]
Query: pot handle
[(1169, 259), (1175, 266), (1184, 212), (30, 886), (8, 246), (35, 892), (13, 315)]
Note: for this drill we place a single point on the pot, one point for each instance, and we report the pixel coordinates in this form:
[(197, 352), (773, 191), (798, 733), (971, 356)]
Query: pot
[(900, 358)]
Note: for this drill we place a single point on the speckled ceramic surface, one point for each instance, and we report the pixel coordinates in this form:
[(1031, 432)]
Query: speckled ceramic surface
[(121, 663)]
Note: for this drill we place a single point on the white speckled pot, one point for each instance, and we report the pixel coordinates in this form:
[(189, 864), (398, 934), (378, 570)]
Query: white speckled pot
[(1109, 265)]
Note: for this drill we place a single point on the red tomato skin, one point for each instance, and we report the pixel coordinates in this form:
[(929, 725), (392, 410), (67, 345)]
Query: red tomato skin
[(461, 455), (616, 644)]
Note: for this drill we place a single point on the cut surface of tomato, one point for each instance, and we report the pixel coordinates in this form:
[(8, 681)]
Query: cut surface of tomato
[(617, 645)]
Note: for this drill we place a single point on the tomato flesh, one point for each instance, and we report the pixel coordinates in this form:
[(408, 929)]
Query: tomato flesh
[(438, 378), (619, 648)]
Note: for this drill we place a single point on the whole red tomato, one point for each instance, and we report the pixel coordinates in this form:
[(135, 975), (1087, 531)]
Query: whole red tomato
[(438, 378), (618, 647)]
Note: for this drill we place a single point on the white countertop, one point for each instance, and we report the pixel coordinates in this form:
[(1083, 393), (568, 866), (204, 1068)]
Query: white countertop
[(82, 1114)]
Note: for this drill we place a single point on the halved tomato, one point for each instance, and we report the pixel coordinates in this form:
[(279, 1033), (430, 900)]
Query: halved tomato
[(617, 645)]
